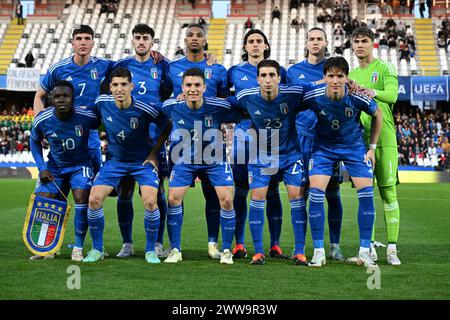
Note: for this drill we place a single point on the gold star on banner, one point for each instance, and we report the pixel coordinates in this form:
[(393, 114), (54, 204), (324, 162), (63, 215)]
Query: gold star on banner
[(46, 204), (39, 204), (53, 206), (60, 209)]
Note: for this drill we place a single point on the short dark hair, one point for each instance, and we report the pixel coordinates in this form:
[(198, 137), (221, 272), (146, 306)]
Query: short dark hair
[(336, 62), (194, 72), (195, 25), (363, 32), (247, 35), (143, 28), (64, 83), (82, 28), (121, 72), (269, 63)]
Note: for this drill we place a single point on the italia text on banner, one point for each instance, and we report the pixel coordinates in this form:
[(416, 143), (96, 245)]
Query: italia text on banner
[(45, 225)]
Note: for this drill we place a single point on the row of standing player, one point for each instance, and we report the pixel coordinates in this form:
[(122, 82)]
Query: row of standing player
[(255, 48)]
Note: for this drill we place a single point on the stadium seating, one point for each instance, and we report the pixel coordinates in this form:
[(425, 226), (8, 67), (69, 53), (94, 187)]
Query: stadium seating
[(50, 42)]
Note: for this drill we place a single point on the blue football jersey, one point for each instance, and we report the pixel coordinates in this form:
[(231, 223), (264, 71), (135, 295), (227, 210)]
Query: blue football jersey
[(298, 74), (191, 128), (244, 76), (277, 116), (215, 77), (68, 139), (338, 121), (127, 129), (146, 77), (86, 80)]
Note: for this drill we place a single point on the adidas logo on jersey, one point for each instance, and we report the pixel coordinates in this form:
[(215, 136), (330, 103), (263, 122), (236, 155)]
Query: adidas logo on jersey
[(54, 135), (181, 121), (69, 78), (244, 78), (257, 113), (229, 178), (301, 76), (109, 118)]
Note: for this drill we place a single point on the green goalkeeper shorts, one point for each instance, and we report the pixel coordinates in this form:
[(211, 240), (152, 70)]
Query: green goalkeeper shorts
[(386, 166)]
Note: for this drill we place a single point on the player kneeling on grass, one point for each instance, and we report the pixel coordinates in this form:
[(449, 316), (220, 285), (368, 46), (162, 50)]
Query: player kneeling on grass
[(130, 154), (196, 130), (66, 128), (339, 138)]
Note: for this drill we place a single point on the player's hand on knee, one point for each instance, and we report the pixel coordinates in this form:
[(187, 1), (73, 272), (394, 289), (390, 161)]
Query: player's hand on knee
[(45, 176)]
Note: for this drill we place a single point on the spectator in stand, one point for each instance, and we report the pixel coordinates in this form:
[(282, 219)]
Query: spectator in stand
[(112, 8), (338, 30), (405, 53), (390, 23), (248, 24), (201, 21), (19, 13), (179, 53), (411, 6), (410, 41), (429, 5), (392, 42), (295, 24), (421, 8), (29, 59), (384, 43), (293, 4), (386, 8), (276, 13), (192, 3), (443, 43), (403, 6)]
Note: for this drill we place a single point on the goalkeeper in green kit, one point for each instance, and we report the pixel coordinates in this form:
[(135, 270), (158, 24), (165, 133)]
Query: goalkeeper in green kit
[(379, 81)]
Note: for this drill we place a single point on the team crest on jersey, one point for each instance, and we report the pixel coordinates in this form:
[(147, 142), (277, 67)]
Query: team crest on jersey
[(79, 130), (172, 175), (94, 74), (250, 177), (134, 123), (284, 108), (208, 121), (348, 112), (154, 73), (208, 73), (374, 77)]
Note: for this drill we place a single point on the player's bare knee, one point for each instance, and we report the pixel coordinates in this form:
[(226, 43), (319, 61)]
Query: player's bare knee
[(174, 200), (150, 204), (226, 203), (95, 201)]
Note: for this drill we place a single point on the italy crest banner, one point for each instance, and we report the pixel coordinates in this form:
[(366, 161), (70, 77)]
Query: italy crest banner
[(45, 225)]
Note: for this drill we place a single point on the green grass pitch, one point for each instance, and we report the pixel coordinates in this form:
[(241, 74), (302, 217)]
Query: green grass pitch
[(424, 245)]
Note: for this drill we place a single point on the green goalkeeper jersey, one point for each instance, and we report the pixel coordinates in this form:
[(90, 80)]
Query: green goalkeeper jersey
[(382, 77)]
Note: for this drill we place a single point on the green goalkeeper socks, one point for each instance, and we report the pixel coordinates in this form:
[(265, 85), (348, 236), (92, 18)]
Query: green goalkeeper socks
[(391, 212)]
